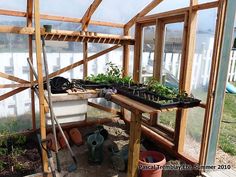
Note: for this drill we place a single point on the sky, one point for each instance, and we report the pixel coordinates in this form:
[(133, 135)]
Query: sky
[(119, 11)]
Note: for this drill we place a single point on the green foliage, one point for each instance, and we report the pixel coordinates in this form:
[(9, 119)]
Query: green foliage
[(113, 75), (154, 86), (2, 165), (3, 151)]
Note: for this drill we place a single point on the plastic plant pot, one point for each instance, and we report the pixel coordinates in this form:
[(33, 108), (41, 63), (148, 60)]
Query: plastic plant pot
[(151, 163), (48, 28)]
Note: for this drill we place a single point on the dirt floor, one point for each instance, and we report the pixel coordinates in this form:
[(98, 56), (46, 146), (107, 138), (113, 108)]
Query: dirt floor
[(117, 135)]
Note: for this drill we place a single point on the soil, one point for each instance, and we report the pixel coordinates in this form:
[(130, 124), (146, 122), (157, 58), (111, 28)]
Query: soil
[(24, 162), (118, 136)]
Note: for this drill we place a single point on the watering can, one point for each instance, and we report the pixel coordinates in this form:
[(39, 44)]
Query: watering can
[(95, 148)]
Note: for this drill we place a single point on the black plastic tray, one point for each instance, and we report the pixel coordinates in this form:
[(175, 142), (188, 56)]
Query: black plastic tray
[(151, 101), (190, 103), (89, 84)]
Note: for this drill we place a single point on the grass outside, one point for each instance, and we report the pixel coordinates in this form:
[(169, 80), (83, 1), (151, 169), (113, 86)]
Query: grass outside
[(227, 139)]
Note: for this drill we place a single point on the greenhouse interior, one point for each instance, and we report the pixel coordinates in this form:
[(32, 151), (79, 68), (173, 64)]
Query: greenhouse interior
[(115, 88)]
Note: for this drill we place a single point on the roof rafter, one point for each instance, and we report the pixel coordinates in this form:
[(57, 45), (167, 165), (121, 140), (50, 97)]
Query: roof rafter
[(88, 14), (147, 9)]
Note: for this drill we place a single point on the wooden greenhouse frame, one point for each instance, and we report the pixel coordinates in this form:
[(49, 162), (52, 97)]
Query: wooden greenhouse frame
[(187, 15)]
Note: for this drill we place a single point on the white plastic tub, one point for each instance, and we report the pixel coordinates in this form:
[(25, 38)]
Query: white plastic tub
[(68, 108)]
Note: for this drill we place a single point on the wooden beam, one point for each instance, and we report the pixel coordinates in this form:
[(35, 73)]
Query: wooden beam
[(12, 13), (147, 9), (73, 36), (222, 70), (152, 18), (67, 68), (30, 43), (13, 92), (85, 56), (134, 144), (16, 30), (61, 18), (186, 73), (28, 85), (85, 36), (126, 55), (159, 47), (40, 82), (88, 14), (137, 52), (13, 78)]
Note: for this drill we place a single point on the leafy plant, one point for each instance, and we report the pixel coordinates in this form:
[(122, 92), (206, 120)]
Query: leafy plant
[(2, 165), (113, 75), (182, 95), (154, 86)]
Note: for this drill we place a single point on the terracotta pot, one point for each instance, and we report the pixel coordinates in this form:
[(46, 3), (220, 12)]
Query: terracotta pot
[(151, 163)]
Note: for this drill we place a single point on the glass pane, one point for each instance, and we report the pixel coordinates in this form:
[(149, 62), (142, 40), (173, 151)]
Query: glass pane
[(203, 53), (168, 119), (105, 29), (168, 5), (72, 8), (98, 65), (205, 1), (19, 5), (12, 21), (172, 54), (61, 25), (194, 131), (118, 11), (148, 53), (15, 112)]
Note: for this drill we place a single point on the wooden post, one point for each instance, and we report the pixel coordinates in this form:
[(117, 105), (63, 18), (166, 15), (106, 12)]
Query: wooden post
[(30, 42), (186, 74), (134, 144), (40, 81), (159, 47), (137, 52), (126, 53), (225, 44), (85, 56)]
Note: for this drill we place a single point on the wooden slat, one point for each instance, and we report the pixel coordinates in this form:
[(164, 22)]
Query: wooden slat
[(40, 82), (147, 9), (73, 36), (13, 92), (85, 36), (88, 14), (152, 18), (85, 63), (134, 144), (28, 85), (30, 43), (13, 78), (61, 18), (131, 104), (16, 30)]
